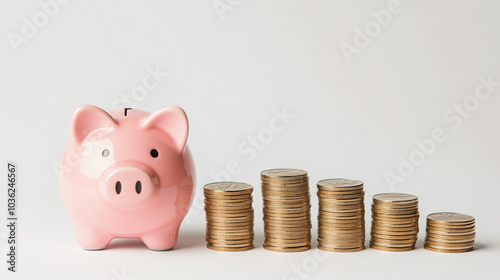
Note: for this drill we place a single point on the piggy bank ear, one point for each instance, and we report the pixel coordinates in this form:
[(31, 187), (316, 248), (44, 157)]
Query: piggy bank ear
[(87, 119), (173, 121)]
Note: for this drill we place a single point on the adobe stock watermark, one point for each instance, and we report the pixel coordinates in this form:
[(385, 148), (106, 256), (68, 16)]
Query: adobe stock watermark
[(121, 275), (152, 80), (223, 7), (371, 29), (247, 151), (308, 266), (454, 117), (31, 27)]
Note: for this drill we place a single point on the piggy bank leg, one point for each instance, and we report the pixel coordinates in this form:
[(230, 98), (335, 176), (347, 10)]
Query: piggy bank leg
[(161, 240), (91, 239)]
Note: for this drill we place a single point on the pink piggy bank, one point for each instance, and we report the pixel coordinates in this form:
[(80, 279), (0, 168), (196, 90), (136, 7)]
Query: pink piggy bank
[(129, 174)]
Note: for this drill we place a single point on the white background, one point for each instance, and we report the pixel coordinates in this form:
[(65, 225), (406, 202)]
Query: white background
[(230, 71)]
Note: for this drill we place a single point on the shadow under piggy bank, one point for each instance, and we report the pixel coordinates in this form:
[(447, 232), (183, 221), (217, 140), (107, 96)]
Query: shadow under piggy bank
[(186, 240)]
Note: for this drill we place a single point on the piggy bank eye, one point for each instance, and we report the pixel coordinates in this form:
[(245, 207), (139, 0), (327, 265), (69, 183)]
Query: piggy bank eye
[(154, 153), (105, 153)]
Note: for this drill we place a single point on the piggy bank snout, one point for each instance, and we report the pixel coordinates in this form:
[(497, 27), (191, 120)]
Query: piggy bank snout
[(127, 185)]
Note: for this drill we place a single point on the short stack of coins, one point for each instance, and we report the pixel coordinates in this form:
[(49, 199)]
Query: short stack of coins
[(341, 218), (229, 211), (394, 222), (450, 232), (287, 210)]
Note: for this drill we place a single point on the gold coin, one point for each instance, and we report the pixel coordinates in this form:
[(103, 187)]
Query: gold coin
[(457, 241), (247, 217), (396, 218), (394, 197), (222, 243), (341, 250), (394, 226), (287, 235), (333, 212), (450, 227), (220, 209), (285, 227), (282, 172), (281, 228), (395, 243), (447, 250), (333, 245), (446, 245), (340, 197), (237, 235), (394, 211), (230, 224), (394, 204), (447, 233), (287, 242), (227, 213), (230, 232), (287, 223), (341, 238), (392, 249), (346, 202), (450, 217), (342, 233), (395, 233), (450, 230), (287, 203), (228, 187), (228, 197), (354, 240), (229, 249), (228, 201), (451, 237), (229, 241), (339, 228), (287, 249), (284, 206), (282, 184), (286, 211), (355, 190), (340, 183), (389, 216), (394, 237), (339, 223)]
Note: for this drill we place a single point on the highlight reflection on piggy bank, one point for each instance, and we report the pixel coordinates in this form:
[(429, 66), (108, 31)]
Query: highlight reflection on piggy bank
[(127, 173)]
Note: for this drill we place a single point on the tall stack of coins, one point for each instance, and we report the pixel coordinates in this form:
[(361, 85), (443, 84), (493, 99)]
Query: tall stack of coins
[(287, 210), (341, 218), (394, 222), (228, 207), (450, 232)]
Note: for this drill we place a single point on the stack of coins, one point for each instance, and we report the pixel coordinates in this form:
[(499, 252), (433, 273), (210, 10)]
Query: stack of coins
[(394, 222), (450, 232), (341, 218), (228, 207), (287, 210)]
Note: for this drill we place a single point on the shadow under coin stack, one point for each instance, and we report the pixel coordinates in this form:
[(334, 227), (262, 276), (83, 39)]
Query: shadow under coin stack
[(341, 219), (394, 222), (450, 232), (287, 210), (228, 207)]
